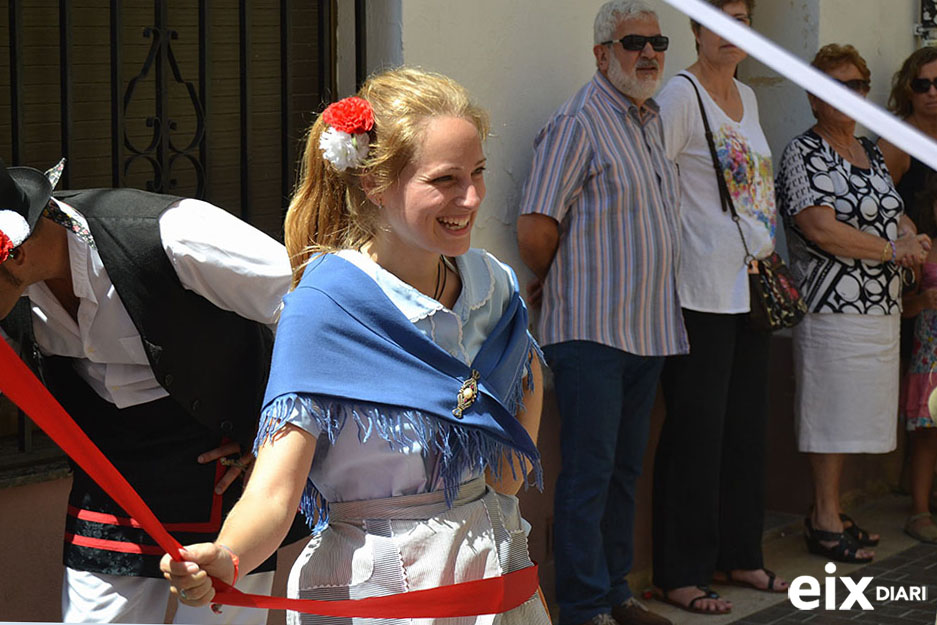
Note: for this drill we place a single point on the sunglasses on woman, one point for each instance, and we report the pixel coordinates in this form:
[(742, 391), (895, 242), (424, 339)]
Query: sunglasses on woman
[(636, 43), (856, 84), (922, 85)]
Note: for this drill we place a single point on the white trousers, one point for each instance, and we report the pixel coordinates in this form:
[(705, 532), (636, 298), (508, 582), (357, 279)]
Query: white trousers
[(99, 598)]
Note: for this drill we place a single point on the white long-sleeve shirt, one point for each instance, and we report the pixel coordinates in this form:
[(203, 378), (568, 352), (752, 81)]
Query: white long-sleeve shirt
[(216, 255)]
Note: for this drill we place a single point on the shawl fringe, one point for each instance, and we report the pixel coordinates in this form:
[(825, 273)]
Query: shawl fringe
[(460, 449)]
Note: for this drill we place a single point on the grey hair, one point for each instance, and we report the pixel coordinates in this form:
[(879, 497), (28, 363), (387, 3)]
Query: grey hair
[(613, 12)]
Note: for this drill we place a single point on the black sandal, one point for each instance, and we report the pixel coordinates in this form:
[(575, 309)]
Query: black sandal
[(845, 549), (772, 579), (708, 593), (861, 536)]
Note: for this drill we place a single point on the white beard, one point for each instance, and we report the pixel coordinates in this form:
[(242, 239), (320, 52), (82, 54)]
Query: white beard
[(630, 84)]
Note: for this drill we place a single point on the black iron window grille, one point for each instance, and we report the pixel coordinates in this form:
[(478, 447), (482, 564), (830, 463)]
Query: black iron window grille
[(206, 99)]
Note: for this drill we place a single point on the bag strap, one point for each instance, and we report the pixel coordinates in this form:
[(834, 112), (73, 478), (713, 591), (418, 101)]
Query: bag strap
[(725, 198)]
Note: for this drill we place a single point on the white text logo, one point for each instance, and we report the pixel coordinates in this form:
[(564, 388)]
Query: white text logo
[(804, 592)]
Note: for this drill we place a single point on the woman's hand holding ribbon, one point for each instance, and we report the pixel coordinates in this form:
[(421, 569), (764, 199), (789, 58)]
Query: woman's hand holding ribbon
[(190, 578)]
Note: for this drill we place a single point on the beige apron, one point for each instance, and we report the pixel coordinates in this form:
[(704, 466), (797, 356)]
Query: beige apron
[(379, 547)]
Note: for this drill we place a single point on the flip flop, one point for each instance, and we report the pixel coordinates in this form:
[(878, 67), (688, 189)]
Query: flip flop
[(708, 593), (731, 581)]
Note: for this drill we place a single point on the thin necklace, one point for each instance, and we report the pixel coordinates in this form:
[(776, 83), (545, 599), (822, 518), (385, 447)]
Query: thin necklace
[(442, 274), (849, 149)]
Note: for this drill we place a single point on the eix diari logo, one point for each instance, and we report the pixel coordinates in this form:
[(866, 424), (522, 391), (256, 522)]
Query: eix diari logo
[(805, 592)]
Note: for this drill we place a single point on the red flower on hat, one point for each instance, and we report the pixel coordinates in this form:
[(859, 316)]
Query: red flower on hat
[(6, 246), (353, 115)]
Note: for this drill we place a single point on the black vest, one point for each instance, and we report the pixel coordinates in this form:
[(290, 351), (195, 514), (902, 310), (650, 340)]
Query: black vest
[(212, 361)]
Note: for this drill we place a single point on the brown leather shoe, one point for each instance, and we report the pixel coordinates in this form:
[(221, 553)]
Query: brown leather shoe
[(633, 612)]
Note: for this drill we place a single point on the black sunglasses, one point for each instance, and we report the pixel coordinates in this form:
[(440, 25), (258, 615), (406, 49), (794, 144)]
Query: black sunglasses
[(856, 84), (636, 43), (922, 85)]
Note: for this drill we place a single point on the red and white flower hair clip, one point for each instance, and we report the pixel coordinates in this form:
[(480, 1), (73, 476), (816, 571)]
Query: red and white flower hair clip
[(345, 142), (13, 231)]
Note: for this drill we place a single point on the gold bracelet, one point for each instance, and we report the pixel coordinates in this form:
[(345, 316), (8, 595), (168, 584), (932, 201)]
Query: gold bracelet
[(886, 252)]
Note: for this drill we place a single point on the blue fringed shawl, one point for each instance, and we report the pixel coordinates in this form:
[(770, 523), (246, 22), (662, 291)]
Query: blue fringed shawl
[(344, 351)]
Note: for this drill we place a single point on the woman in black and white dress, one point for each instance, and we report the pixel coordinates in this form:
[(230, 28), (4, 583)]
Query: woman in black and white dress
[(848, 237)]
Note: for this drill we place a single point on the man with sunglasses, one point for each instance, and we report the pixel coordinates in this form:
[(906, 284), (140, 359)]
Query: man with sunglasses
[(599, 230)]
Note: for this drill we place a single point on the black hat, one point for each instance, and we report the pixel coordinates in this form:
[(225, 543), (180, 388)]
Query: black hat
[(24, 191)]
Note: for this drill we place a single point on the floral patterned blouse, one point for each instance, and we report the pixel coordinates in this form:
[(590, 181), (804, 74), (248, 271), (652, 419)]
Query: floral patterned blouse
[(713, 275)]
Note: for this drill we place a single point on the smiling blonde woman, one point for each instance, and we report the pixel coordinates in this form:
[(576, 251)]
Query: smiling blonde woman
[(402, 374)]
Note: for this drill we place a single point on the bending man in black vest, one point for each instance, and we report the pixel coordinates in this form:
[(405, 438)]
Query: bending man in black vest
[(148, 317)]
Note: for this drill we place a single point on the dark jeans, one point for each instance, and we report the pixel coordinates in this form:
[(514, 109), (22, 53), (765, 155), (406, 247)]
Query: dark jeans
[(605, 397), (709, 469)]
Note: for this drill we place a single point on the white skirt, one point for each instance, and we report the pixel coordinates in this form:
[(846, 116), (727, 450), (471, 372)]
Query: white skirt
[(846, 383)]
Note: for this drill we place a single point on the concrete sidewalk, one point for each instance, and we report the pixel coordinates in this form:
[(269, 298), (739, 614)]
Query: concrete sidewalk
[(900, 561)]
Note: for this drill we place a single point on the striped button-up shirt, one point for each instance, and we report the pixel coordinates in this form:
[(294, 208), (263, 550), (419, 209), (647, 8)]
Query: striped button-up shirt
[(601, 171)]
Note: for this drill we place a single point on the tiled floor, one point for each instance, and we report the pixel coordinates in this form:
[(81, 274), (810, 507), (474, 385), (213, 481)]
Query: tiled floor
[(900, 561)]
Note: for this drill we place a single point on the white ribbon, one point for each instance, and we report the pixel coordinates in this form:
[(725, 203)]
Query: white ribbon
[(904, 136)]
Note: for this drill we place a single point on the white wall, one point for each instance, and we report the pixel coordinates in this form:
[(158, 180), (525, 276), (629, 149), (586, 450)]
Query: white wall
[(880, 30), (385, 33), (782, 105), (682, 51), (521, 59), (383, 47)]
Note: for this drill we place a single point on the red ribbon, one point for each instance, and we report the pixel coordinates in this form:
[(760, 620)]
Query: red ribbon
[(492, 595)]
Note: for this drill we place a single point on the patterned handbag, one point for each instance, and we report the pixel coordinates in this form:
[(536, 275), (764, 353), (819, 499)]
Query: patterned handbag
[(775, 301)]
